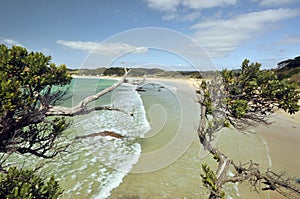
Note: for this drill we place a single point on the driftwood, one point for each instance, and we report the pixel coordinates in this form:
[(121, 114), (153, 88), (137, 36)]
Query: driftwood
[(103, 133)]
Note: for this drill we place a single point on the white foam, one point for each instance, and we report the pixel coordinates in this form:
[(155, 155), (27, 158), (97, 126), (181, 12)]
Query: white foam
[(113, 153), (267, 149), (102, 162), (232, 187)]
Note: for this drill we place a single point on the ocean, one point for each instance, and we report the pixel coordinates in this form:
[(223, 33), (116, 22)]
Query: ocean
[(160, 156)]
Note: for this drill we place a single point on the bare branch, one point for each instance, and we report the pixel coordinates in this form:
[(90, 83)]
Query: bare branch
[(104, 133), (81, 107), (62, 111)]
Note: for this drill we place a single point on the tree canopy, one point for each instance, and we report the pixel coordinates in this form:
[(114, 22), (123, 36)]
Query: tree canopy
[(20, 184), (30, 83), (31, 121), (242, 99)]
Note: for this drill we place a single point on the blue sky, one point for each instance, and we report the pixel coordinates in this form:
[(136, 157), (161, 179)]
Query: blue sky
[(183, 33)]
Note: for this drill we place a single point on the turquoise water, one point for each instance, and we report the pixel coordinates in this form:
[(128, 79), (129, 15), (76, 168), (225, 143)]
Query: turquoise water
[(160, 158), (94, 166)]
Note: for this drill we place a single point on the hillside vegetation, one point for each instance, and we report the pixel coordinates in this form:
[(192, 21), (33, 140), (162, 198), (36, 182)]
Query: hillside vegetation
[(136, 72), (289, 69)]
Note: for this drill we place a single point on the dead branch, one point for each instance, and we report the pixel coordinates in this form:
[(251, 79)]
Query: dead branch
[(81, 108), (103, 134)]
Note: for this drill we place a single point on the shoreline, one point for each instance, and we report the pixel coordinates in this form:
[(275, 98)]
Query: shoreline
[(282, 138), (94, 77)]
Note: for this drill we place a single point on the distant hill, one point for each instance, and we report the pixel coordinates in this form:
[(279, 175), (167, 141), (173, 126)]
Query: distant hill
[(138, 72), (289, 69)]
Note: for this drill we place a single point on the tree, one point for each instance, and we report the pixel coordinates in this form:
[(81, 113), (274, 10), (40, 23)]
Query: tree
[(25, 77), (19, 184), (31, 89), (242, 99)]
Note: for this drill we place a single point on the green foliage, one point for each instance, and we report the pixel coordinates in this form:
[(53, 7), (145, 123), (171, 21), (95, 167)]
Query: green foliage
[(207, 99), (289, 64), (226, 123), (22, 74), (291, 74), (209, 179), (258, 91), (243, 98), (114, 71), (217, 157), (239, 108), (30, 83), (20, 184)]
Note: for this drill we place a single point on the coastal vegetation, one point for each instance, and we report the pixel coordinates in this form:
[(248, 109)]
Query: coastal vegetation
[(243, 99), (138, 72), (29, 85), (289, 69), (31, 89), (33, 123)]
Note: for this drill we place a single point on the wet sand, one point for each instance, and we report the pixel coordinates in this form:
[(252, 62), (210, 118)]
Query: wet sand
[(276, 147), (283, 138), (181, 179)]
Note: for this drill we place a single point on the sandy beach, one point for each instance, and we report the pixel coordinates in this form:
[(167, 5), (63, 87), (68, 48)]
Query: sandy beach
[(283, 138), (280, 143)]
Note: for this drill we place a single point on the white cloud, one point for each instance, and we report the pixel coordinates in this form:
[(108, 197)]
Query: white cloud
[(203, 4), (221, 36), (79, 45), (172, 5), (170, 16), (291, 39), (164, 5), (276, 3), (191, 17), (11, 42), (187, 17), (102, 48), (185, 10)]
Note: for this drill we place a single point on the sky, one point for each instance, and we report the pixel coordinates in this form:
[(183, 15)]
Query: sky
[(172, 34)]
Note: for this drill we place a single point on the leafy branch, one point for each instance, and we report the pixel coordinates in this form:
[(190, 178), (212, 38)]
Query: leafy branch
[(243, 99)]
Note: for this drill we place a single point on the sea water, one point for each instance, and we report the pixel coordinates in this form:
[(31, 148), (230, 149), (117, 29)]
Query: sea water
[(92, 167), (107, 167), (173, 114)]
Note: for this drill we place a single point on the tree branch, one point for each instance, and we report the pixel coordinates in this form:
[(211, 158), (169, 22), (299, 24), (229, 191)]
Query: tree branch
[(212, 113), (81, 107)]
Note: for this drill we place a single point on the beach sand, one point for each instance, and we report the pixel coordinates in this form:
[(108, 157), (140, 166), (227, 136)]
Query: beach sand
[(281, 153), (283, 138), (283, 141)]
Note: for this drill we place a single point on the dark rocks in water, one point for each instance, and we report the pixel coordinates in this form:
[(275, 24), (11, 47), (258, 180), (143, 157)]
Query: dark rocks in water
[(103, 133), (140, 89)]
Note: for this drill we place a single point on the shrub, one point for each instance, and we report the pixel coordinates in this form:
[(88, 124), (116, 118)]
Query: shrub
[(20, 184)]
